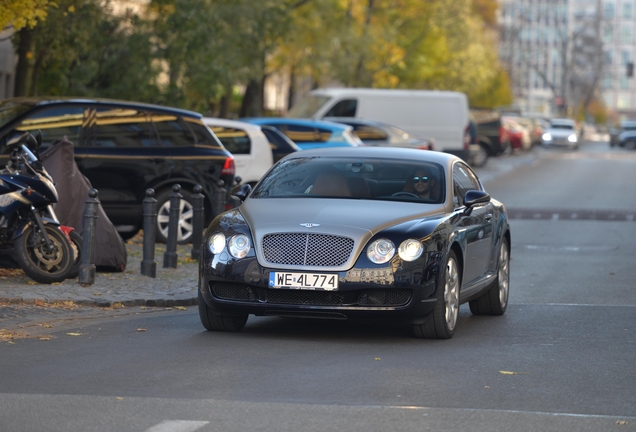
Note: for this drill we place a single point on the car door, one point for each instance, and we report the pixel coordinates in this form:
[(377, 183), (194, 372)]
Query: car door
[(477, 225), (120, 157)]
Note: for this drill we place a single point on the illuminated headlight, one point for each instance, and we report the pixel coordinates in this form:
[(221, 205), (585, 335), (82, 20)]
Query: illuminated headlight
[(239, 245), (410, 250), (381, 251), (572, 138), (547, 137), (216, 243)]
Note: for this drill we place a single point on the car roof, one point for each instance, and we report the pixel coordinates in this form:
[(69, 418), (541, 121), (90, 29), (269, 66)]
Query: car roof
[(442, 158), (213, 121), (296, 121), (51, 101)]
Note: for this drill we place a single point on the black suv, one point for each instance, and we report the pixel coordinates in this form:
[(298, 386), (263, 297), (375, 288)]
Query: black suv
[(124, 148)]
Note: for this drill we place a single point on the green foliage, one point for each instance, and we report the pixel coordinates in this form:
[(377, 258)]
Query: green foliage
[(191, 53)]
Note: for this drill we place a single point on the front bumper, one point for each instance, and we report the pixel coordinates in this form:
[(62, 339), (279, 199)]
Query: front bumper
[(399, 292)]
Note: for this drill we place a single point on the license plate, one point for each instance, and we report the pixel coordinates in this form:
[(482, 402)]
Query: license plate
[(304, 281)]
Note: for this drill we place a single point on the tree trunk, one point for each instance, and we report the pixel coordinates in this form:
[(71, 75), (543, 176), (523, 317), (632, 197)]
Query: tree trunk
[(224, 108), (291, 93), (250, 107), (23, 68)]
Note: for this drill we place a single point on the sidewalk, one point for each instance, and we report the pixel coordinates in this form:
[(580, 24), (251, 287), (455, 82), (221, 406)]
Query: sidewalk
[(171, 287)]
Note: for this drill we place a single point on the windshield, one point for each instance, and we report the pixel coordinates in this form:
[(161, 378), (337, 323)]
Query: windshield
[(561, 126), (354, 178), (307, 106), (10, 110)]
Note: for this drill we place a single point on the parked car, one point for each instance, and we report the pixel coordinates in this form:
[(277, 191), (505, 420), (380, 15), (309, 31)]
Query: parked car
[(490, 134), (375, 133), (247, 143), (124, 148), (561, 133), (311, 133), (440, 116), (279, 143), (517, 133), (624, 135), (410, 236)]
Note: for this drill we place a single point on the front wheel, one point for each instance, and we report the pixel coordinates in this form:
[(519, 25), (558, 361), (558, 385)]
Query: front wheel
[(441, 323), (215, 322), (39, 263)]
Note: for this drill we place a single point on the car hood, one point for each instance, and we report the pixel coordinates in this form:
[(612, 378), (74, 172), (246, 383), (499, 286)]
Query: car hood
[(359, 220)]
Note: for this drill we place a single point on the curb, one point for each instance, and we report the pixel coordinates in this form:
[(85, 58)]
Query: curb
[(126, 303)]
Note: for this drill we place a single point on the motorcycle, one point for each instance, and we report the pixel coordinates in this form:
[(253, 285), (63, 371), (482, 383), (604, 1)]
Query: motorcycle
[(29, 228)]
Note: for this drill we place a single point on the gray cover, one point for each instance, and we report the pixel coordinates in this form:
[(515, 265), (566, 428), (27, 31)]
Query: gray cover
[(72, 188)]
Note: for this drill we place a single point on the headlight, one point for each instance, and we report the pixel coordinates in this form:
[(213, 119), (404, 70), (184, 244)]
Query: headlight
[(381, 251), (239, 245), (547, 137), (410, 250), (216, 243), (572, 138)]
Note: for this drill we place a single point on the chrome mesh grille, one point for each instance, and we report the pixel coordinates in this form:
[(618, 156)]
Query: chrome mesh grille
[(318, 250)]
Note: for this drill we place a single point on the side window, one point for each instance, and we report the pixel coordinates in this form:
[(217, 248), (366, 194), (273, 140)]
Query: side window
[(119, 127), (463, 181), (201, 132), (55, 123), (323, 135), (300, 134), (234, 140), (369, 133), (344, 108), (172, 131)]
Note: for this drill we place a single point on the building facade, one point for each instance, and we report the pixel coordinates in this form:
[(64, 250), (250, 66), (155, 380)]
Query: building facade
[(558, 52)]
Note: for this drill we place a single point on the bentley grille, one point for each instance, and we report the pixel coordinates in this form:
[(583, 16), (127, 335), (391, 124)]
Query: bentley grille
[(317, 250)]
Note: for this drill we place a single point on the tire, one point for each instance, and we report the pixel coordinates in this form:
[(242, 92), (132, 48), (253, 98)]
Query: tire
[(441, 323), (185, 227), (215, 322), (630, 145), (36, 262), (481, 157), (495, 300), (76, 247)]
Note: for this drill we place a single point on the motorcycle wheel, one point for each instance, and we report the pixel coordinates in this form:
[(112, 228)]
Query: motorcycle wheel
[(76, 249), (39, 264)]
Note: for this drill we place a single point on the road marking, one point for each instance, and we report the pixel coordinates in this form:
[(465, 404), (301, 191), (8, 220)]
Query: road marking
[(177, 426)]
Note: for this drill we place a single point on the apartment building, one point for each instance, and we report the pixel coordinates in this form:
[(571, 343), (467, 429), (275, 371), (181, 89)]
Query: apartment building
[(557, 50)]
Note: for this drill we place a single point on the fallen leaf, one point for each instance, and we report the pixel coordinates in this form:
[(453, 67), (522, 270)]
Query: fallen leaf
[(45, 325), (119, 398), (32, 283), (180, 308), (11, 343), (377, 359), (141, 330), (44, 338), (487, 386), (74, 334), (622, 422), (168, 308), (513, 373)]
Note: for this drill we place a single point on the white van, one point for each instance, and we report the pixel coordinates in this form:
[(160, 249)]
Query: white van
[(428, 114)]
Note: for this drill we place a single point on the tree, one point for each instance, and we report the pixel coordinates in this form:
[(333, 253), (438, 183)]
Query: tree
[(22, 13)]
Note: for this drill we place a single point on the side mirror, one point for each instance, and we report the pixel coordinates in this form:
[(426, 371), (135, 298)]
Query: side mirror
[(474, 197), (241, 191)]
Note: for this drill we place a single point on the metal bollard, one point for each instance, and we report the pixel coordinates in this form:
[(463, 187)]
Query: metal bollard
[(148, 264), (197, 221), (87, 268), (218, 205), (170, 256)]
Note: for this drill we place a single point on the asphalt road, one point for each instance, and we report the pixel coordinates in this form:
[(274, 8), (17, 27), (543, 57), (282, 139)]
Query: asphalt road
[(560, 359)]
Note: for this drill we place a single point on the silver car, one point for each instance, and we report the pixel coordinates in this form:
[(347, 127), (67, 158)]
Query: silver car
[(562, 133)]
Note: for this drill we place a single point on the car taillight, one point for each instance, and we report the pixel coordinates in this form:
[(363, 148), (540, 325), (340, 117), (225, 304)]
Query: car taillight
[(228, 167)]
